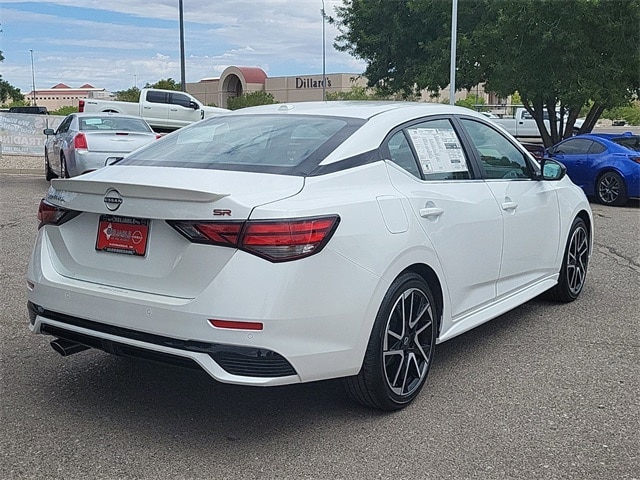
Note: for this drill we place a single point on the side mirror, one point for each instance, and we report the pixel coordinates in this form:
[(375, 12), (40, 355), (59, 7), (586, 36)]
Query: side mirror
[(49, 131), (552, 170), (194, 105)]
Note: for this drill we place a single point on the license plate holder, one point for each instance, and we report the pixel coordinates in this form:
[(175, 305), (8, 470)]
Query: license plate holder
[(123, 235)]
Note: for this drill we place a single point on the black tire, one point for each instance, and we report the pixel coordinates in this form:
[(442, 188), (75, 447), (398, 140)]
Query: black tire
[(610, 189), (48, 173), (400, 349), (573, 273), (64, 173)]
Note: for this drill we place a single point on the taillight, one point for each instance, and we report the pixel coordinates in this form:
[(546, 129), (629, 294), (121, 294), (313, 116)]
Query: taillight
[(80, 141), (635, 159), (274, 240), (52, 215), (80, 106)]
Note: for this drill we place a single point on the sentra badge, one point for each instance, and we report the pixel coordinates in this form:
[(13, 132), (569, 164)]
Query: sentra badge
[(112, 200)]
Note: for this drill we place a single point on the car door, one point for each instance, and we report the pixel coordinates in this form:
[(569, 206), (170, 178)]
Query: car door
[(573, 153), (529, 208), (456, 210), (155, 109), (181, 111)]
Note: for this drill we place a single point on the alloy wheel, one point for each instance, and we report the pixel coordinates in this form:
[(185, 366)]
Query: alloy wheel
[(577, 260), (407, 347)]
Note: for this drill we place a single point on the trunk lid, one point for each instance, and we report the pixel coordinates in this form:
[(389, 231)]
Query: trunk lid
[(139, 200)]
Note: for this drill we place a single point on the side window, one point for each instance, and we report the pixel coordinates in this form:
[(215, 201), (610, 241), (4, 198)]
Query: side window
[(156, 97), (573, 146), (180, 99), (401, 153), (499, 157), (439, 151), (597, 148), (64, 126)]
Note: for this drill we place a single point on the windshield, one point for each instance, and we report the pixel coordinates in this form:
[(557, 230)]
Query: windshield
[(268, 143), (122, 124)]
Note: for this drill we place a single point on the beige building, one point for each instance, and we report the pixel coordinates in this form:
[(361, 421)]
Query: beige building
[(62, 95), (236, 81)]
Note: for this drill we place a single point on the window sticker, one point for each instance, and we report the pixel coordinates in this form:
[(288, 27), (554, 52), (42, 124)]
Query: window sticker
[(439, 150)]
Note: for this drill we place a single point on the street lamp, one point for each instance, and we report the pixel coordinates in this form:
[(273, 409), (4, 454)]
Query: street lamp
[(454, 38), (33, 79), (182, 75), (324, 76)]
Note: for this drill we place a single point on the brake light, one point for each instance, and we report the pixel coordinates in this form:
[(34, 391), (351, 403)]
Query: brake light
[(49, 214), (635, 159), (274, 240), (80, 106), (80, 142)]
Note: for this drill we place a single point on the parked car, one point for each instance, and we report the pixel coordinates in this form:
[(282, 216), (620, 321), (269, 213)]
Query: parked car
[(30, 110), (298, 242), (164, 110), (84, 141), (606, 166)]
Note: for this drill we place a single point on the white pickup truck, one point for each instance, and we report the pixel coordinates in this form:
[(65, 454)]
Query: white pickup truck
[(523, 125), (162, 109)]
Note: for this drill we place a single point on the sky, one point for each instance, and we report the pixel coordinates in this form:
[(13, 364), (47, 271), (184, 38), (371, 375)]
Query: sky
[(118, 44)]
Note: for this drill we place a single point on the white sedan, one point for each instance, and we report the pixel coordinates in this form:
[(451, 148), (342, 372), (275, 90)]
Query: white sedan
[(300, 242)]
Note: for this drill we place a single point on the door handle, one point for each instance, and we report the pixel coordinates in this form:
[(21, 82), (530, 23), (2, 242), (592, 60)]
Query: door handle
[(174, 109), (431, 212), (509, 206)]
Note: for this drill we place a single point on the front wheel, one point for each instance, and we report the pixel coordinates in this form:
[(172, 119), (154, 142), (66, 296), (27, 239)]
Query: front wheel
[(400, 349), (573, 273), (610, 189)]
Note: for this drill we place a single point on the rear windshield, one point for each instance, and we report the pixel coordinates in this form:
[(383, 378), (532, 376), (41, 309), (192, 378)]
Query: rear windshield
[(286, 144), (631, 142), (114, 123)]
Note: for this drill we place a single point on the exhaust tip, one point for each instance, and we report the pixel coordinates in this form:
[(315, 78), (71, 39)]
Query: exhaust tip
[(67, 347)]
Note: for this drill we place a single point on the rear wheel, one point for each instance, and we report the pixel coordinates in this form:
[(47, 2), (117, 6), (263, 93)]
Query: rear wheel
[(401, 347), (610, 189), (64, 173), (574, 265)]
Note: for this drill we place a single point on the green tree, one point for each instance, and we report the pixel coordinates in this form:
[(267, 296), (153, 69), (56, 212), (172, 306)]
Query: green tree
[(64, 111), (130, 95), (472, 101), (165, 84), (8, 91), (250, 100), (555, 54)]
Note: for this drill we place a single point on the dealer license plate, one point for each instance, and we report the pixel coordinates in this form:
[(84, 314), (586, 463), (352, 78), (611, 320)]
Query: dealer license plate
[(122, 235)]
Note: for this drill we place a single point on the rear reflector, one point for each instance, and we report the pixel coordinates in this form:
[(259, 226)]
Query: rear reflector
[(236, 325), (274, 240)]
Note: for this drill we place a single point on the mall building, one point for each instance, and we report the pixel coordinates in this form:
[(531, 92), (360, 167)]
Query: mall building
[(236, 81)]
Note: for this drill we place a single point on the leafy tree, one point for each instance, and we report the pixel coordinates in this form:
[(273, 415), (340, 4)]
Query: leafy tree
[(165, 84), (8, 91), (472, 101), (130, 95), (555, 54), (250, 100), (357, 92), (64, 111)]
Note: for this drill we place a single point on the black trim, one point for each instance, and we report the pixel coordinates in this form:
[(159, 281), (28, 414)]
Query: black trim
[(236, 360)]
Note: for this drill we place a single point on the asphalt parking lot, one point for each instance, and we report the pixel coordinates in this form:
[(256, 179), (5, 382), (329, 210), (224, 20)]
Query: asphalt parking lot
[(547, 391)]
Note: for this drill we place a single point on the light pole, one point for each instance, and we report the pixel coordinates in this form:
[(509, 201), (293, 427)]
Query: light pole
[(324, 75), (33, 79), (454, 38), (182, 75)]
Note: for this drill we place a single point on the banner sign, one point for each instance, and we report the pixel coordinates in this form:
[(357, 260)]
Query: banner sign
[(21, 133)]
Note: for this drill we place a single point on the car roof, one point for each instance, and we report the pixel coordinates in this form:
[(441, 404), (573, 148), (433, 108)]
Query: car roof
[(607, 136), (354, 109)]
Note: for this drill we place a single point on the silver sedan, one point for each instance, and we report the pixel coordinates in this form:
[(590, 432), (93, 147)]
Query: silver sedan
[(83, 142)]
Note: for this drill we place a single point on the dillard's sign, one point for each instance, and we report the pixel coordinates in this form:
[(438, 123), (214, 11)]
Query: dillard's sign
[(312, 82)]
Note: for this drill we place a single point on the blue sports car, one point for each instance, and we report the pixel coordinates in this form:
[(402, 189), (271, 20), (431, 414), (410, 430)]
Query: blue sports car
[(604, 165)]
